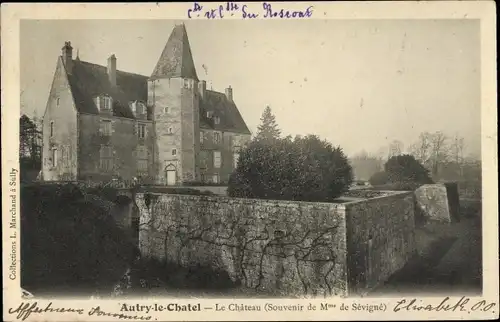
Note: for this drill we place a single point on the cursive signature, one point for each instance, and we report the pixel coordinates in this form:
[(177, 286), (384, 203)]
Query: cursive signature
[(464, 304)]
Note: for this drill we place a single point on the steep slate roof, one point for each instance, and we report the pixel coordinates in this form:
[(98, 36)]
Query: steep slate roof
[(88, 80), (176, 59), (226, 110)]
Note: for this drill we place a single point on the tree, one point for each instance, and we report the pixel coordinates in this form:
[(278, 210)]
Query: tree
[(30, 141), (307, 169), (421, 149), (30, 148), (406, 169), (457, 152), (268, 129), (439, 151)]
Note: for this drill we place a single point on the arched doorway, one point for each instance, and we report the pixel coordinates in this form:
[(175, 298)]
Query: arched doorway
[(171, 175)]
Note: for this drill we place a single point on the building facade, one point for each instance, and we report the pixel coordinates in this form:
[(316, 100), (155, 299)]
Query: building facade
[(101, 123)]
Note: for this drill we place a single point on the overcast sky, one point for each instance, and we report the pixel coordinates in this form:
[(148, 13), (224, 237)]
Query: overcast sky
[(357, 83)]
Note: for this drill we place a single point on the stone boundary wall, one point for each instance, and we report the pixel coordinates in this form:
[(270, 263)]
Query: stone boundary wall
[(285, 247), (380, 239)]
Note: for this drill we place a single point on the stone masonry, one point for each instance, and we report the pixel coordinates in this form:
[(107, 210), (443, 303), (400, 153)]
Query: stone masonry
[(439, 202), (286, 247)]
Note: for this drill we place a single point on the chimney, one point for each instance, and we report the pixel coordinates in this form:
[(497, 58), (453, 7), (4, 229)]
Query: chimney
[(67, 56), (202, 88), (112, 70), (229, 93)]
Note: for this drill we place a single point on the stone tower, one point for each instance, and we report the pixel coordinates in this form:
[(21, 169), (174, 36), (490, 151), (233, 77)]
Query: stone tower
[(173, 98)]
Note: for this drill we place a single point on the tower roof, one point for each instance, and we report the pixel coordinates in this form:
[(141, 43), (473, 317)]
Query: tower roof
[(176, 59)]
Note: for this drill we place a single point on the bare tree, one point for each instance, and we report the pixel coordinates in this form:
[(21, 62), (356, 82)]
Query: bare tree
[(457, 152), (439, 151), (421, 149)]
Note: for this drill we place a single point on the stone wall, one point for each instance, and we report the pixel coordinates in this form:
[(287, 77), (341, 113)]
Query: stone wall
[(286, 247), (380, 238), (61, 111), (123, 140), (439, 202), (293, 248)]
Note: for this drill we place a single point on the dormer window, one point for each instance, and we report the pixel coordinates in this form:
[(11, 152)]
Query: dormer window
[(210, 114), (137, 107), (217, 120), (104, 102)]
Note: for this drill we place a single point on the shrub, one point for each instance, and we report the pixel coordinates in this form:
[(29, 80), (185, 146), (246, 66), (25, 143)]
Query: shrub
[(406, 169), (67, 241), (307, 169), (378, 178)]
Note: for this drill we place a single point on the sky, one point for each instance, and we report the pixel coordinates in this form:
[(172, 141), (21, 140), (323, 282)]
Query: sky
[(359, 84)]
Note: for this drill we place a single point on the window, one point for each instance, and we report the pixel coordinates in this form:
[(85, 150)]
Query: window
[(217, 159), (106, 127), (107, 103), (174, 151), (54, 157), (141, 133), (169, 130), (106, 158), (57, 103), (103, 103), (217, 120), (217, 137), (236, 157), (141, 108), (210, 114), (165, 110), (186, 83), (142, 160), (215, 178), (202, 138), (52, 129)]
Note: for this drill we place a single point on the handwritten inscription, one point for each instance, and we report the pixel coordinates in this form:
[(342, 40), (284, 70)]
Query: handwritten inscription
[(464, 304), (24, 310), (231, 9)]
